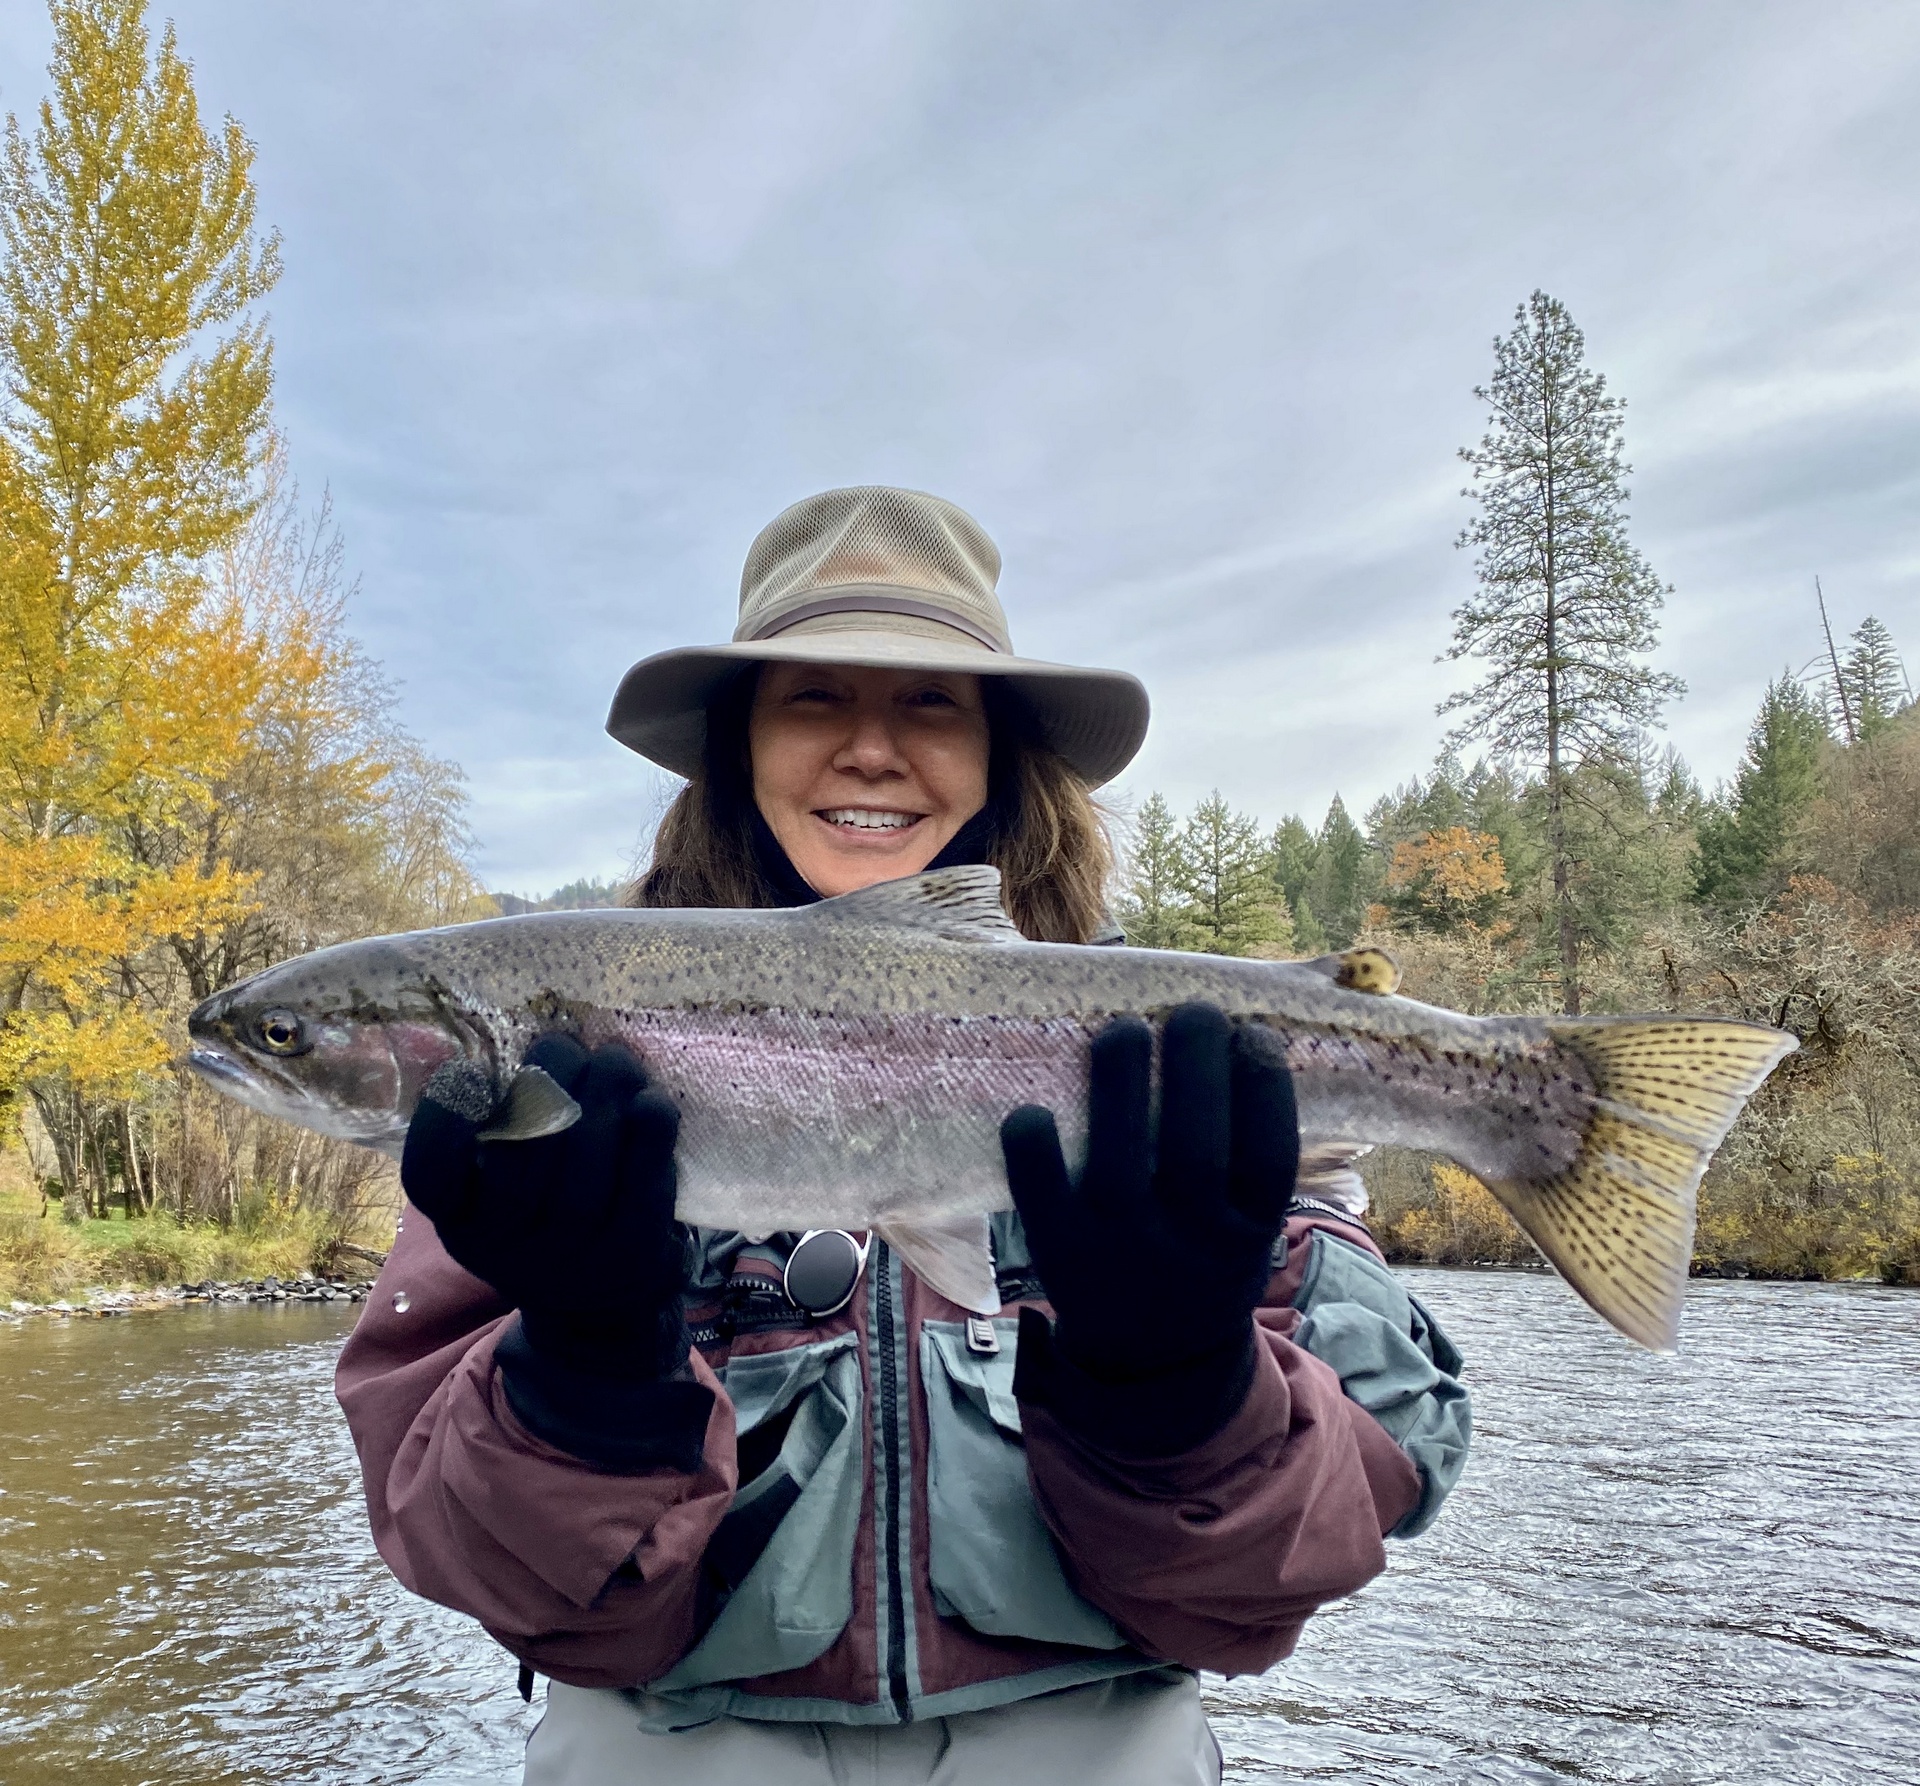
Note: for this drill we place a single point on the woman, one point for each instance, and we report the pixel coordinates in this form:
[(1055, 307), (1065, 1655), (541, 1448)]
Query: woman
[(771, 1508)]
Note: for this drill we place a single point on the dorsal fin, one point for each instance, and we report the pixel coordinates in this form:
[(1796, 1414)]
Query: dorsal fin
[(960, 904)]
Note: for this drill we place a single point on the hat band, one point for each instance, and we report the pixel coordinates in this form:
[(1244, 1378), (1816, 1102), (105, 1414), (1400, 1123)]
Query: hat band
[(871, 602)]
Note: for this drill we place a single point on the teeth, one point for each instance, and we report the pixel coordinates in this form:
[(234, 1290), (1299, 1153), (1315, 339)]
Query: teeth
[(861, 819)]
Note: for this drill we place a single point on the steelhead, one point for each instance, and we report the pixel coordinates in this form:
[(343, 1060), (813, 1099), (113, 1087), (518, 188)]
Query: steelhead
[(848, 1064)]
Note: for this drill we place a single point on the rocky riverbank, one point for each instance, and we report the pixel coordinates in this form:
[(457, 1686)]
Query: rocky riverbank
[(96, 1304)]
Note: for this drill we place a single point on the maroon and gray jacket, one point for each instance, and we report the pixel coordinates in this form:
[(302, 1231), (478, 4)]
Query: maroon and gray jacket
[(877, 1529)]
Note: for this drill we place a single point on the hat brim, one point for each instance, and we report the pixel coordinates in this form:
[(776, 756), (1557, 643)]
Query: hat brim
[(1095, 720)]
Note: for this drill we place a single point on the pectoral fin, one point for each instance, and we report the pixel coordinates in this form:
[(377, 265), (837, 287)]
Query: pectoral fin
[(534, 1106), (953, 1256)]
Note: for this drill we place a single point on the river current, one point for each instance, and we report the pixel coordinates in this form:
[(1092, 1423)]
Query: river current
[(1678, 1570)]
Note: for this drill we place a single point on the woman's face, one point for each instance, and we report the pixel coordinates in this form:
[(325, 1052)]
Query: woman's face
[(865, 775)]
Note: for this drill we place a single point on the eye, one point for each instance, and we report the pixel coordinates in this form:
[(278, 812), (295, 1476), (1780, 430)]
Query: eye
[(281, 1032), (933, 696)]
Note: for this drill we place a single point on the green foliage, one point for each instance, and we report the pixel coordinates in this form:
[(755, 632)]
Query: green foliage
[(1750, 842), (1222, 870), (1153, 907), (1874, 679), (1343, 879), (1292, 854)]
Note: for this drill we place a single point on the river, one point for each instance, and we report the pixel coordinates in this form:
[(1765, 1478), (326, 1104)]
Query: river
[(1674, 1570)]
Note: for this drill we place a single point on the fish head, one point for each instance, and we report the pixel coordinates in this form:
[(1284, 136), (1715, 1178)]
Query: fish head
[(340, 1041)]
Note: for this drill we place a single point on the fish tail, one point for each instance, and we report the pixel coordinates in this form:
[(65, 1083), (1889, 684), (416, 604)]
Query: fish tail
[(1618, 1222)]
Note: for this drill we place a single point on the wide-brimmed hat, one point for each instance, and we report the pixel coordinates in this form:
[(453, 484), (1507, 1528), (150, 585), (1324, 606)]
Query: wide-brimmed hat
[(893, 579)]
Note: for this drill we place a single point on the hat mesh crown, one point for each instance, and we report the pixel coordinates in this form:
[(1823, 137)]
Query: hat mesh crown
[(874, 538)]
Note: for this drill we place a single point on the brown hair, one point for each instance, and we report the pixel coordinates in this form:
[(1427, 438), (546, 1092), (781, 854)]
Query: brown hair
[(1048, 838)]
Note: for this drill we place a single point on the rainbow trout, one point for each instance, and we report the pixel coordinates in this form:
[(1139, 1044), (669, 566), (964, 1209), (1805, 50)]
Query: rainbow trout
[(848, 1064)]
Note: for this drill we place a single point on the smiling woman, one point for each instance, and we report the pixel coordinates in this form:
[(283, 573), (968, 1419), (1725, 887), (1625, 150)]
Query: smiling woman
[(773, 1505), (864, 775), (870, 719)]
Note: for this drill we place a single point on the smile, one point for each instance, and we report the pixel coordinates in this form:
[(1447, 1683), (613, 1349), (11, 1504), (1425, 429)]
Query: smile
[(865, 818)]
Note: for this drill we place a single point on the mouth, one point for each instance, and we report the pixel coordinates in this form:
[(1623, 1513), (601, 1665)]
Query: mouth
[(261, 1086), (869, 824)]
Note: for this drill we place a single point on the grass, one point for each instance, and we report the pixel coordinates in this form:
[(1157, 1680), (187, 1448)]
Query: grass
[(45, 1258)]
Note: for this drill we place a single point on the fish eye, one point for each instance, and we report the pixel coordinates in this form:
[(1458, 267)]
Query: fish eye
[(282, 1032)]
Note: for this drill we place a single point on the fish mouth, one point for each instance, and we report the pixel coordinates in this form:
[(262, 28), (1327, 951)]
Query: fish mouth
[(259, 1086)]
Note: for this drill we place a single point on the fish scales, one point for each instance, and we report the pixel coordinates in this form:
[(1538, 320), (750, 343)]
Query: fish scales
[(849, 1064)]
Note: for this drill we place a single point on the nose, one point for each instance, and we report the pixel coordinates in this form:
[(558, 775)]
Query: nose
[(871, 747)]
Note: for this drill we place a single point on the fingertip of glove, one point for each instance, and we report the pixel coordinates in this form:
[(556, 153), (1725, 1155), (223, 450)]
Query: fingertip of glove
[(613, 1072), (560, 1056), (654, 1115), (1027, 1124), (1196, 1024)]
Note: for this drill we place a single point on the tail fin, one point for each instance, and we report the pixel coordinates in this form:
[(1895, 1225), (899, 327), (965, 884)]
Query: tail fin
[(1618, 1223)]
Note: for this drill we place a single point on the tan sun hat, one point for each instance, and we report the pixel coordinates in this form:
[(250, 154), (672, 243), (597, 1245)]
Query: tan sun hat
[(894, 579)]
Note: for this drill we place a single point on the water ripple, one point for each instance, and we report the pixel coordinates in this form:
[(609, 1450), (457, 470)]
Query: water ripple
[(1679, 1572)]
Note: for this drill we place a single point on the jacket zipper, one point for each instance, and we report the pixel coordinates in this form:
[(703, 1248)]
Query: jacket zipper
[(890, 1439)]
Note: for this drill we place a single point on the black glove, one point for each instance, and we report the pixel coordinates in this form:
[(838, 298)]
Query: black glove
[(577, 1231), (1156, 1259)]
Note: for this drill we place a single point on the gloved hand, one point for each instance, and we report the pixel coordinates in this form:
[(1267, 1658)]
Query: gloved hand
[(576, 1230), (1156, 1259)]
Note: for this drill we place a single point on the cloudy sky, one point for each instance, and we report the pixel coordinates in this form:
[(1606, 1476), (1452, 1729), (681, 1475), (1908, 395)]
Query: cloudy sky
[(1185, 303)]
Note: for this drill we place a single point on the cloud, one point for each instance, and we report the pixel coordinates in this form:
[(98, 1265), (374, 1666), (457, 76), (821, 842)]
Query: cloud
[(1186, 303)]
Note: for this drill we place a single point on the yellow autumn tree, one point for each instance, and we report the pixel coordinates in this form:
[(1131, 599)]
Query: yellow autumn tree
[(135, 412)]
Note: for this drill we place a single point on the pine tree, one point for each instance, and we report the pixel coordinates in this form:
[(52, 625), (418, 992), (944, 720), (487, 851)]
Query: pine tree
[(1153, 910), (1565, 608), (1292, 853), (1338, 888), (1874, 679), (1747, 842), (1223, 872)]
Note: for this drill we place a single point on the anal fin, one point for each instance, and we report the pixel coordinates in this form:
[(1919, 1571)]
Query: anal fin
[(953, 1256), (1327, 1175)]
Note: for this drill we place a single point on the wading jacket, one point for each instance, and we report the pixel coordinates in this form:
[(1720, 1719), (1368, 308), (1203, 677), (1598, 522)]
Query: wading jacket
[(878, 1530)]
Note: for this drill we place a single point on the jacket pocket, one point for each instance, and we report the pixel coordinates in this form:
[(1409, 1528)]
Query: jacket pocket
[(991, 1558), (785, 1547)]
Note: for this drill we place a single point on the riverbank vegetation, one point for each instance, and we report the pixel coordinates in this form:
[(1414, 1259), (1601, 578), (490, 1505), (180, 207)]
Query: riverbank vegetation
[(1572, 865)]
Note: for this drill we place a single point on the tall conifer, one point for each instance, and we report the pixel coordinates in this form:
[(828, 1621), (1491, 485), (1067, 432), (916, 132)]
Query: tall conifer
[(1565, 609)]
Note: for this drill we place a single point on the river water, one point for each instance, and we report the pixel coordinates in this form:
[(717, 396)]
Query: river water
[(1693, 1569)]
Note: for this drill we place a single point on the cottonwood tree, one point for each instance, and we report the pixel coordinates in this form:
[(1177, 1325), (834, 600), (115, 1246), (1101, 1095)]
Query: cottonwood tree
[(1565, 608), (136, 375)]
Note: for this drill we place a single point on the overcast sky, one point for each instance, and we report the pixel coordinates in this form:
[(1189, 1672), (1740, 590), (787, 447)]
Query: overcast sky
[(1185, 302)]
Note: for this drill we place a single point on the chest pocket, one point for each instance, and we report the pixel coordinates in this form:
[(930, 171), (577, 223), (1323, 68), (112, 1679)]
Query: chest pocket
[(991, 1559), (792, 1528)]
